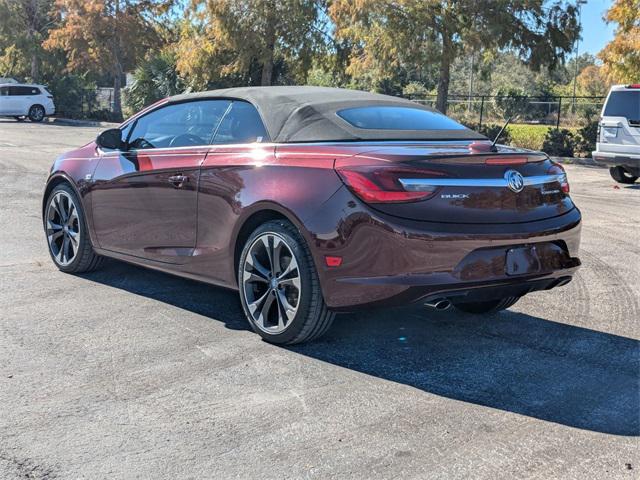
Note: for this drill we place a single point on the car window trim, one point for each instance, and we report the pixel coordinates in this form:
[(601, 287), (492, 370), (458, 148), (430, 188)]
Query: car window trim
[(165, 105), (224, 115), (234, 100), (231, 101)]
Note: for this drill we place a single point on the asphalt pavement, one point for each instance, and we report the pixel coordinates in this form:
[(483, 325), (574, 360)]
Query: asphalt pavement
[(128, 373)]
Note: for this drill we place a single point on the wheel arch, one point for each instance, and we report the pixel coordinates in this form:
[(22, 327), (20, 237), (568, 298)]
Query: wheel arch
[(44, 109), (55, 180), (259, 215)]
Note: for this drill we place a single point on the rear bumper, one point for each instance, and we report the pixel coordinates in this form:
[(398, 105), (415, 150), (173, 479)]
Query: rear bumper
[(617, 159), (480, 276), (391, 261)]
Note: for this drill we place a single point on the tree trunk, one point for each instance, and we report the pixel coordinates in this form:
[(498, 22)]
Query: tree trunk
[(32, 29), (117, 86), (117, 65), (446, 60), (35, 71), (268, 55)]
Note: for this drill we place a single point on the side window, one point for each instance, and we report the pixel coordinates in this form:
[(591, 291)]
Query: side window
[(23, 91), (4, 91), (241, 125), (179, 125)]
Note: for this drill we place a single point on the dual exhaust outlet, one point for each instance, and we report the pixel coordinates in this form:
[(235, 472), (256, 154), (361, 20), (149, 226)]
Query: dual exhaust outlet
[(438, 304)]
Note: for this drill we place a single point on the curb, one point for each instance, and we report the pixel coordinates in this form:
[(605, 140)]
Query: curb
[(588, 162), (80, 123)]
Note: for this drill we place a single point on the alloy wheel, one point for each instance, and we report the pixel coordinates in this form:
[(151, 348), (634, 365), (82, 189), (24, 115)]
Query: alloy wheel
[(63, 228), (36, 114), (271, 283)]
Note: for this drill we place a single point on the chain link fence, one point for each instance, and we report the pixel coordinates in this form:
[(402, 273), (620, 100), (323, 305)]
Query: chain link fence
[(557, 111), (479, 110), (87, 103)]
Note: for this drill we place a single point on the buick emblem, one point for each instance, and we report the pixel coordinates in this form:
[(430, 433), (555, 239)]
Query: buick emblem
[(514, 179)]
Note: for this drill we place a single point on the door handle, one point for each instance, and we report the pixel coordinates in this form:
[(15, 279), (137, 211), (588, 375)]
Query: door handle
[(178, 180)]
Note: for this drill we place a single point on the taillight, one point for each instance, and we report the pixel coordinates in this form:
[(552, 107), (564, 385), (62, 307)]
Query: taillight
[(557, 169), (379, 184)]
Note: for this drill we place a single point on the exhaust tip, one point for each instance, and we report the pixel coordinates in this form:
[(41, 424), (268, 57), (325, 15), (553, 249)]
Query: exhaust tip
[(439, 304)]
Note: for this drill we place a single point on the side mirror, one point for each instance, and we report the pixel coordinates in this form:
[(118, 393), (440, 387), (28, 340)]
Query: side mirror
[(111, 139)]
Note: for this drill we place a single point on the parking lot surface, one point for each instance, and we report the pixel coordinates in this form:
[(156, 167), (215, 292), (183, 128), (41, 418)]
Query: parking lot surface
[(128, 373)]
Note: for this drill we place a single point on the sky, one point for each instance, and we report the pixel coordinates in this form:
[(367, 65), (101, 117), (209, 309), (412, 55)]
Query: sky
[(595, 31)]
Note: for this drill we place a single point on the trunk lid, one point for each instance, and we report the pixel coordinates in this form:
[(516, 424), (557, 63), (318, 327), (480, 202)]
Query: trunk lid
[(480, 187)]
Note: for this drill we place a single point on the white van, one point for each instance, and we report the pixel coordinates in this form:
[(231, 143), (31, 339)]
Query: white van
[(21, 101), (618, 142)]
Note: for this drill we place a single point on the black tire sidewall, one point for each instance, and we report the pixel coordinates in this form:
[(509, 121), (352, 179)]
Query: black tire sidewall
[(31, 110), (84, 234), (295, 242), (620, 175)]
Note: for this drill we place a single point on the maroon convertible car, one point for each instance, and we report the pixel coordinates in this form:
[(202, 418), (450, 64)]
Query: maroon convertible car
[(314, 200)]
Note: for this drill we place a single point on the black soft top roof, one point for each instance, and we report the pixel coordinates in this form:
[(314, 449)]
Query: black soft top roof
[(308, 114)]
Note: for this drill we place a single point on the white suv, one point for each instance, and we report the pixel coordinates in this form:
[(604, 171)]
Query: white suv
[(618, 142), (20, 100)]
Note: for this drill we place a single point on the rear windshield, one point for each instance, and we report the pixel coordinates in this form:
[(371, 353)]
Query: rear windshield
[(397, 118), (624, 104)]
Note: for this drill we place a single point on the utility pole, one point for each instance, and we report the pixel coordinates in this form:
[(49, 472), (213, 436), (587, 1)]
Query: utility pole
[(575, 73), (471, 81)]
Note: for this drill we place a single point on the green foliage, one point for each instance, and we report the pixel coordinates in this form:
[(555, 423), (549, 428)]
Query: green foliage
[(511, 103), (491, 131), (155, 78), (384, 37), (24, 25), (559, 143), (73, 95), (249, 39), (415, 90), (528, 136), (586, 138)]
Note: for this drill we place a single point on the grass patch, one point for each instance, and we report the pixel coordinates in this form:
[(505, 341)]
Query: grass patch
[(530, 136)]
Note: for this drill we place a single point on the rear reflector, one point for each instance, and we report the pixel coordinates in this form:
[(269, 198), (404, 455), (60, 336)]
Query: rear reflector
[(333, 261), (376, 184)]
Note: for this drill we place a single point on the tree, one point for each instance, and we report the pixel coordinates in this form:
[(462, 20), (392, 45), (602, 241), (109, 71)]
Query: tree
[(99, 35), (235, 38), (24, 24), (621, 56), (386, 34), (153, 79), (592, 81)]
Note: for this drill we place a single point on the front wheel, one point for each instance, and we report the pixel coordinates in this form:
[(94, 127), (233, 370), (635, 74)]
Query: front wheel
[(36, 113), (279, 286), (490, 306), (620, 175), (66, 231)]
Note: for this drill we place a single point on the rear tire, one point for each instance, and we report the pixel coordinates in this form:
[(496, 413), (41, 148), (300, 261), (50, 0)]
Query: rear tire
[(490, 306), (620, 175), (66, 231), (36, 113), (279, 286)]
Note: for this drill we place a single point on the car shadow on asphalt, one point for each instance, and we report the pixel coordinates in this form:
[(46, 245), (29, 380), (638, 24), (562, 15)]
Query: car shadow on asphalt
[(510, 361)]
